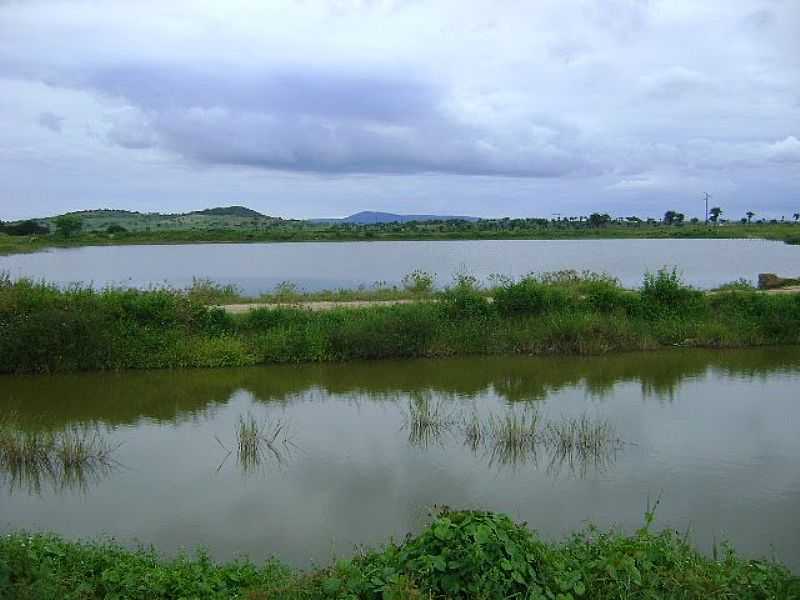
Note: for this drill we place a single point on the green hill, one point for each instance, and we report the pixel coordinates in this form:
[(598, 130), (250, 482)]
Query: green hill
[(222, 217)]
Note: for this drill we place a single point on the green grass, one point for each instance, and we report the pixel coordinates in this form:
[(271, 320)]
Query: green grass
[(460, 555), (46, 329)]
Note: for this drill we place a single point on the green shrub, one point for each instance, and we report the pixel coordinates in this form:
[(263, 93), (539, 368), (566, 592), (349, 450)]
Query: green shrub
[(664, 293), (464, 300), (418, 282), (530, 296)]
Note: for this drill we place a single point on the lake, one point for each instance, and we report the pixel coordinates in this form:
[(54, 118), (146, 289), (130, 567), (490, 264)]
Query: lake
[(714, 433), (313, 266)]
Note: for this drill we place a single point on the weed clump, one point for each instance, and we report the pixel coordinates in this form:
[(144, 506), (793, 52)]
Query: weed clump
[(461, 555)]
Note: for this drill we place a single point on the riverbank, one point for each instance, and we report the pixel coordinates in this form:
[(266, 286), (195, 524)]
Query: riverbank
[(47, 329), (494, 230), (460, 555)]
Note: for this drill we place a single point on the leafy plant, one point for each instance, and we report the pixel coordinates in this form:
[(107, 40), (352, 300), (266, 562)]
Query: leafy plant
[(418, 281)]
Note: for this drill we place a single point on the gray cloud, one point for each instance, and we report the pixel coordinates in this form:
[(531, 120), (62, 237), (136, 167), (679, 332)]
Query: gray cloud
[(642, 103), (331, 121), (51, 121)]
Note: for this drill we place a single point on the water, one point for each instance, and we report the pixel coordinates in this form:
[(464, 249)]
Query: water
[(258, 268), (715, 433)]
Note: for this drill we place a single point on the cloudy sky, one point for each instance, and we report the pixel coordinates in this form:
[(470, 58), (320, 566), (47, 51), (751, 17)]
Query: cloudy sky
[(314, 108)]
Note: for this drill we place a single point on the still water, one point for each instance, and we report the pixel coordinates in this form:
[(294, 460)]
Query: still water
[(258, 268), (713, 432)]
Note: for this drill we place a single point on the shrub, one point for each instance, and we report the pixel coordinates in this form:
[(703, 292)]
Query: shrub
[(464, 300), (418, 282), (664, 292), (530, 296)]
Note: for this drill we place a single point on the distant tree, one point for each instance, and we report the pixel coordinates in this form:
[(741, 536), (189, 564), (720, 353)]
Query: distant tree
[(599, 220), (68, 225), (796, 217), (29, 227), (694, 220), (715, 214), (669, 217), (750, 214), (116, 228), (679, 218)]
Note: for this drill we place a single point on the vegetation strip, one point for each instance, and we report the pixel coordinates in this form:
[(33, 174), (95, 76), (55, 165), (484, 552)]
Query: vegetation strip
[(461, 555), (238, 224), (47, 329)]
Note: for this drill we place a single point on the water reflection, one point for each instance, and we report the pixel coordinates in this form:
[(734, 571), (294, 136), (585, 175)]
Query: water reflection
[(72, 459), (184, 396), (370, 446)]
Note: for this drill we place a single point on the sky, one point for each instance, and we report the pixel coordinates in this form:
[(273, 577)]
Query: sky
[(314, 108)]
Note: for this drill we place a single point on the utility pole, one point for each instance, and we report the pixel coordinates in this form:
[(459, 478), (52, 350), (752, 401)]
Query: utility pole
[(708, 197)]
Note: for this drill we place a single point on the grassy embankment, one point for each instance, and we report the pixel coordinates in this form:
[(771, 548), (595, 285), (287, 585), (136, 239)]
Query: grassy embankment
[(461, 555), (44, 329), (291, 231)]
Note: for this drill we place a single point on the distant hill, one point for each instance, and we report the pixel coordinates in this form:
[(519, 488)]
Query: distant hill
[(230, 211), (220, 217), (369, 217)]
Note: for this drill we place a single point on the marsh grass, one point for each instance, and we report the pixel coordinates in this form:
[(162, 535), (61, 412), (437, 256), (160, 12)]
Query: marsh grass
[(428, 422), (67, 459), (581, 444), (513, 437), (258, 441), (518, 437)]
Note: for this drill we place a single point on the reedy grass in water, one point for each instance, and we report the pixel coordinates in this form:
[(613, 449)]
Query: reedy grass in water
[(520, 436), (68, 458), (427, 421), (257, 440)]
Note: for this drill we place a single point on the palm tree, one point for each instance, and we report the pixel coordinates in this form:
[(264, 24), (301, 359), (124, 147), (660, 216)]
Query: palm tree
[(750, 214), (715, 214)]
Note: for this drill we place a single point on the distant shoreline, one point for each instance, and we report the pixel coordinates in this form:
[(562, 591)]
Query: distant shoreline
[(788, 233)]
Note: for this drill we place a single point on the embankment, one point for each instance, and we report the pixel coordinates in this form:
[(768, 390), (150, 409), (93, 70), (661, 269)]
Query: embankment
[(46, 329), (463, 554)]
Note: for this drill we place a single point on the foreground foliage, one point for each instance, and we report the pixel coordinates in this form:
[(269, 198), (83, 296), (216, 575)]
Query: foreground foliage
[(461, 555), (46, 329)]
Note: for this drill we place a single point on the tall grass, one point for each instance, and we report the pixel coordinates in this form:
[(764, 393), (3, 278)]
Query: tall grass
[(258, 441), (427, 421), (46, 329), (68, 458), (517, 437)]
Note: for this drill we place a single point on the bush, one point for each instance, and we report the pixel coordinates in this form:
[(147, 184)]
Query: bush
[(530, 296), (664, 293), (464, 300), (418, 282)]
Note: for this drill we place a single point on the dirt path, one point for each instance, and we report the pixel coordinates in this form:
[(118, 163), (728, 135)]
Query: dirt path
[(317, 305)]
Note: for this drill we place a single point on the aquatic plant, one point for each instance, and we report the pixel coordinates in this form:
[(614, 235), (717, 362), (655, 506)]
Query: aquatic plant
[(518, 437), (513, 437), (256, 440), (427, 421), (69, 458)]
